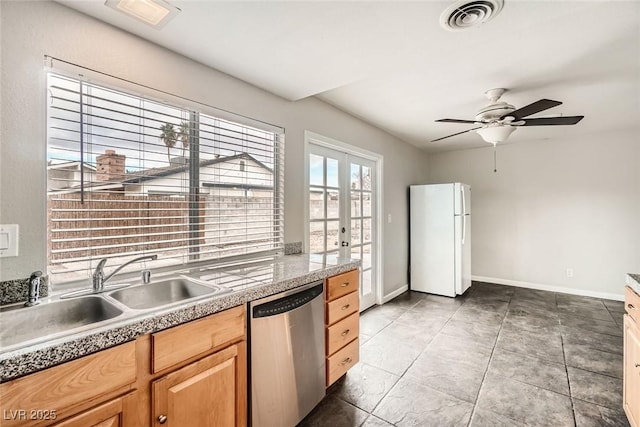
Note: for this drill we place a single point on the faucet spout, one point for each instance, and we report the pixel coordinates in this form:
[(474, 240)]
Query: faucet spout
[(98, 275)]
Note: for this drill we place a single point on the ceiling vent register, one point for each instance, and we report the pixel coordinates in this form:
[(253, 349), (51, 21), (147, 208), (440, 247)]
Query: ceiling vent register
[(466, 14)]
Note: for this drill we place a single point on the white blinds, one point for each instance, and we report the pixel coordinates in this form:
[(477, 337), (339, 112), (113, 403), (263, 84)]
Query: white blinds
[(129, 176)]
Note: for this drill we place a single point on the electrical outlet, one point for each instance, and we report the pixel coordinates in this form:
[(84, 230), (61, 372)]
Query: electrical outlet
[(569, 272)]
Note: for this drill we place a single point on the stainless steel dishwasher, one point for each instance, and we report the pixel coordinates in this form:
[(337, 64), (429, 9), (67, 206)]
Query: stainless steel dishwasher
[(287, 356)]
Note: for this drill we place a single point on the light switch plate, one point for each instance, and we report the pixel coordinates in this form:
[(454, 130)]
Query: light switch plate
[(9, 235)]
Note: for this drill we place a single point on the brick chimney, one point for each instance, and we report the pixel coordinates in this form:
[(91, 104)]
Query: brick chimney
[(110, 166)]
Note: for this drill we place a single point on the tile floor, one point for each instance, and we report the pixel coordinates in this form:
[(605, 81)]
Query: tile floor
[(497, 356)]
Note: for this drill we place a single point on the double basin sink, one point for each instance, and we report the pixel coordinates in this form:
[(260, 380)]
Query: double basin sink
[(24, 325)]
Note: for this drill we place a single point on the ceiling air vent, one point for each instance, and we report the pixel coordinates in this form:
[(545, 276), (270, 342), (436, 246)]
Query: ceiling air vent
[(465, 14)]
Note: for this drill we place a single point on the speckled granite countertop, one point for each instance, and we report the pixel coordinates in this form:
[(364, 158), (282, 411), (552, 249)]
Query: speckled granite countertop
[(633, 281), (248, 282)]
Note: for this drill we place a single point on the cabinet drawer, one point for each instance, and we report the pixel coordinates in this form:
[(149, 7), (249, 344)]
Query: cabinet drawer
[(342, 284), (342, 307), (70, 383), (632, 304), (175, 345), (342, 361), (342, 333)]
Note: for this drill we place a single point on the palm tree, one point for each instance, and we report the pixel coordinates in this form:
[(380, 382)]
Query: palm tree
[(169, 137), (183, 133)]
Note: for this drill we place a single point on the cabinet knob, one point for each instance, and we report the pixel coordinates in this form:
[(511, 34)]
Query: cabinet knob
[(347, 360), (162, 419), (631, 307), (345, 284), (345, 333), (637, 365), (344, 307)]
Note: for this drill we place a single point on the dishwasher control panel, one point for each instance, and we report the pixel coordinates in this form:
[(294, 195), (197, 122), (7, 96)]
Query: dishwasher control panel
[(288, 303)]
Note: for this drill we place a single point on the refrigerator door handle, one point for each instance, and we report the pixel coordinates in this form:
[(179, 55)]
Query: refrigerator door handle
[(464, 227), (464, 215), (464, 202)]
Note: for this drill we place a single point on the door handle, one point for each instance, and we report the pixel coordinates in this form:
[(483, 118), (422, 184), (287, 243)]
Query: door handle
[(345, 243)]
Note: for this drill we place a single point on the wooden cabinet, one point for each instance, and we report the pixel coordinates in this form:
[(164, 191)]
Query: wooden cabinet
[(48, 396), (342, 322), (631, 393), (209, 392)]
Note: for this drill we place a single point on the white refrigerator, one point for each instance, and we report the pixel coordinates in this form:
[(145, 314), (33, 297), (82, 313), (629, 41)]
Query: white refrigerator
[(440, 224)]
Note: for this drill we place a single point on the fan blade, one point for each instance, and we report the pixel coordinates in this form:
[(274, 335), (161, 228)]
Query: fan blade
[(553, 121), (459, 133), (536, 107), (455, 121)]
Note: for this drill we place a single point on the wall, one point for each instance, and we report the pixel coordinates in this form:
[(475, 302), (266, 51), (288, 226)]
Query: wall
[(32, 29), (553, 205)]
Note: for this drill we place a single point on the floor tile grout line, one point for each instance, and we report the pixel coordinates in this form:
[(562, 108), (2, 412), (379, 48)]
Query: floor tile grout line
[(566, 370), (486, 371)]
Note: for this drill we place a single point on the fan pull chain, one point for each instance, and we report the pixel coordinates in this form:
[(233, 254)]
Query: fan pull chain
[(495, 163)]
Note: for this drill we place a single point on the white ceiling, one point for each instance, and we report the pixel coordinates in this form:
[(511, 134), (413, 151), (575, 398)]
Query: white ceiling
[(390, 63)]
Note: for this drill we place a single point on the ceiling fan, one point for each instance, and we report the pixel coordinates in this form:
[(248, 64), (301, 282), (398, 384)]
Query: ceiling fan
[(498, 120)]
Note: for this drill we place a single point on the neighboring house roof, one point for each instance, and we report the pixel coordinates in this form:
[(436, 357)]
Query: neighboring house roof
[(154, 173), (147, 174), (69, 165)]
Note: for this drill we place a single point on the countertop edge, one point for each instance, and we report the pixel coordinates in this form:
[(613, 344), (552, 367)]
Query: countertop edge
[(31, 359)]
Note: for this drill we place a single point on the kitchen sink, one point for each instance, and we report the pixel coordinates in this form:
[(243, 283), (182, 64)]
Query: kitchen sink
[(166, 292), (24, 324)]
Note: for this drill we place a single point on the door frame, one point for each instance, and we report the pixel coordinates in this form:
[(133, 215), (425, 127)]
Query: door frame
[(378, 159)]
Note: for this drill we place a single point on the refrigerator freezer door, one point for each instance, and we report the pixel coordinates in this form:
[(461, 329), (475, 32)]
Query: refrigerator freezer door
[(432, 239)]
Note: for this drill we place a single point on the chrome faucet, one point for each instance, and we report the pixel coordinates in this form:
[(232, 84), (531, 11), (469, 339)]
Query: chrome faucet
[(34, 289), (98, 275)]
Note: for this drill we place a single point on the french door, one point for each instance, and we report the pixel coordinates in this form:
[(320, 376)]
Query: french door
[(342, 212)]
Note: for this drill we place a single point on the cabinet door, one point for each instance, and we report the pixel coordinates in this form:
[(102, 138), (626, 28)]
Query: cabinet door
[(108, 414), (632, 371), (209, 392)]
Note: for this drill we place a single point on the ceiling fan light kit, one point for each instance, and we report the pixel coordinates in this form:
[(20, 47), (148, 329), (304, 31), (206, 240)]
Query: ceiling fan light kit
[(495, 133)]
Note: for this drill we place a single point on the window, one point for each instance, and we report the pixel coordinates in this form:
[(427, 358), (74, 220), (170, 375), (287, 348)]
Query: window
[(128, 176)]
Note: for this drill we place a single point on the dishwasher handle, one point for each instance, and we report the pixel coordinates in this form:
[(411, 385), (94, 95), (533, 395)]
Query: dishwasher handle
[(287, 303)]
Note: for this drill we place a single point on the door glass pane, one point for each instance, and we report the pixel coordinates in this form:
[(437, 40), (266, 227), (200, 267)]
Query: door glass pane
[(366, 178), (366, 256), (366, 282), (355, 252), (333, 237), (333, 204), (366, 230), (366, 204), (355, 204), (316, 170), (316, 203), (332, 173), (356, 232), (316, 237), (355, 176)]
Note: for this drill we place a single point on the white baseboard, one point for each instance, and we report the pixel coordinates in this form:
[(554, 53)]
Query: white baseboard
[(552, 288), (392, 295)]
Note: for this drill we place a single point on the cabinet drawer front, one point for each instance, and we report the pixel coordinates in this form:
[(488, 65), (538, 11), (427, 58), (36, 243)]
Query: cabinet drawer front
[(342, 307), (342, 333), (180, 343), (70, 383), (632, 304), (342, 284), (342, 361)]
